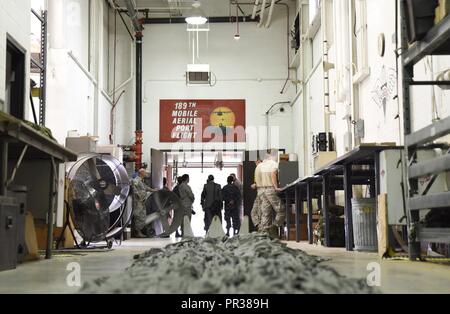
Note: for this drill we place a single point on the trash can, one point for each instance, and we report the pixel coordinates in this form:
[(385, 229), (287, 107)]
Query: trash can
[(364, 215)]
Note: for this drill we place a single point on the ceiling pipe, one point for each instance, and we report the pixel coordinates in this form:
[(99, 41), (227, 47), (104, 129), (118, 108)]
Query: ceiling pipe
[(112, 4), (269, 18), (288, 46), (261, 14), (137, 24), (255, 9), (211, 20), (139, 131), (133, 13), (175, 8)]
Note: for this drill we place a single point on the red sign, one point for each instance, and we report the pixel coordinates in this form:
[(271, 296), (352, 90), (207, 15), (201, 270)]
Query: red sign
[(202, 121)]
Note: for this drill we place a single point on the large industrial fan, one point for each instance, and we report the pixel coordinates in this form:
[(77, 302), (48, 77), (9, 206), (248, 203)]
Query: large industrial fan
[(165, 213), (97, 190)]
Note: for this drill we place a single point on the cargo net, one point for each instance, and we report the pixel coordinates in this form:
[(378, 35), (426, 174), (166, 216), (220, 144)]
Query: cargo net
[(254, 264)]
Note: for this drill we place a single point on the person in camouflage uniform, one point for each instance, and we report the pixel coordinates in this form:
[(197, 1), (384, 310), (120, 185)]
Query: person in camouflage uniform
[(240, 186), (271, 214), (141, 192), (187, 199), (256, 212)]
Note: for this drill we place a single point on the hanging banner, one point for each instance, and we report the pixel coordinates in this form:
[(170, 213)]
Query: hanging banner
[(202, 121)]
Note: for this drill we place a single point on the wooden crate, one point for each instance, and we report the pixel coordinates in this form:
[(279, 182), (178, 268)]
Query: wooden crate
[(303, 227), (41, 233), (442, 10), (30, 238)]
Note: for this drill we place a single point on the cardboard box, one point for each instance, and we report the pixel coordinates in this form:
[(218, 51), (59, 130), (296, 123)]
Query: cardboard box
[(30, 238), (303, 228), (442, 10), (82, 145), (322, 159), (41, 234)]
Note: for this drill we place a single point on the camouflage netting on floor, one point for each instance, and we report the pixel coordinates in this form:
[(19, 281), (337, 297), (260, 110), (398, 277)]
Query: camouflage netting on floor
[(247, 264)]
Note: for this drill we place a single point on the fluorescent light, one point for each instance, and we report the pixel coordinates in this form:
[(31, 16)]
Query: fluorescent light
[(196, 20), (196, 16)]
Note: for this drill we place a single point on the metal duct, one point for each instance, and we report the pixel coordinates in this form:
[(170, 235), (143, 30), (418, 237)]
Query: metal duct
[(261, 14), (132, 11), (255, 9), (56, 25), (269, 18)]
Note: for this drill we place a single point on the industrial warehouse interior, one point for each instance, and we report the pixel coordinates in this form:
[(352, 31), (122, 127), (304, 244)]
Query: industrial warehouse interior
[(224, 147)]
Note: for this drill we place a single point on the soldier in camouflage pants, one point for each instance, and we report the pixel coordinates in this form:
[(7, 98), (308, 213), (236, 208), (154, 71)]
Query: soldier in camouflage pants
[(267, 213), (141, 192), (256, 210), (272, 214)]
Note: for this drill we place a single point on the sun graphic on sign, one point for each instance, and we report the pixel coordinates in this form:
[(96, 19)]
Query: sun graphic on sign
[(223, 117)]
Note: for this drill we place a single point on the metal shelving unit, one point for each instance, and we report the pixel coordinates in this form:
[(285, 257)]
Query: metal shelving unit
[(41, 65), (436, 42)]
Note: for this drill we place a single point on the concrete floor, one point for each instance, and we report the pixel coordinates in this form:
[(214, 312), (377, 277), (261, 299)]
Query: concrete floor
[(50, 276), (397, 276)]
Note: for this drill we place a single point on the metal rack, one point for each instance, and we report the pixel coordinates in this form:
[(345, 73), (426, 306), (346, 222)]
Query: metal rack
[(19, 144), (436, 42), (41, 65)]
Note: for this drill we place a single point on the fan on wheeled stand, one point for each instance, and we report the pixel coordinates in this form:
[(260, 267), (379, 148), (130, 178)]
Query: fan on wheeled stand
[(97, 190)]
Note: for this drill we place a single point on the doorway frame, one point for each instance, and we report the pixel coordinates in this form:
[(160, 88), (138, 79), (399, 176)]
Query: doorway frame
[(12, 43)]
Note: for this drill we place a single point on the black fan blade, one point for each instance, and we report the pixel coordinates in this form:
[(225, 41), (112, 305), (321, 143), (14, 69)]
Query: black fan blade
[(165, 224), (113, 189), (92, 163), (160, 204), (170, 209), (151, 218), (101, 200)]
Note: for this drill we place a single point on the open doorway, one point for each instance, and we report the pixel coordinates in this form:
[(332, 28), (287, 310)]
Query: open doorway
[(198, 179), (15, 79), (199, 165)]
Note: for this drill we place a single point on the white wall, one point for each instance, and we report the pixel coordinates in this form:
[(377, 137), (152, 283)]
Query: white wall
[(14, 21), (255, 69), (124, 69), (74, 99), (380, 125)]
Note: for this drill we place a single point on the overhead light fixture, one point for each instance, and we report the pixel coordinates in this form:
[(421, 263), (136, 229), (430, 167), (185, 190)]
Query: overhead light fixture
[(238, 33), (196, 16)]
